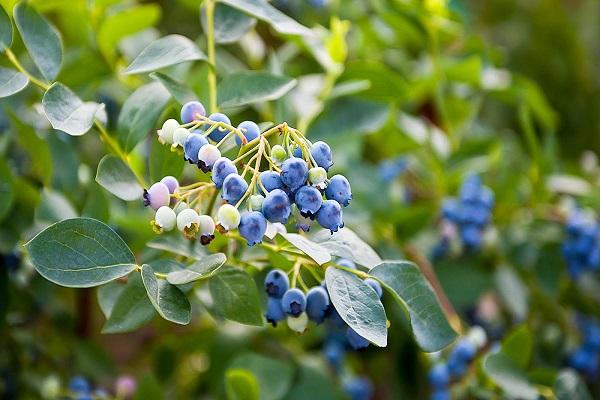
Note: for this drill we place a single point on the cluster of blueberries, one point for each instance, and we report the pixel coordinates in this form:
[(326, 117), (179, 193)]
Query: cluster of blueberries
[(468, 215), (81, 389), (581, 247), (586, 358), (288, 185)]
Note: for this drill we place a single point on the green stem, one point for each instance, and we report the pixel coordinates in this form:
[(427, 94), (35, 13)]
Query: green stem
[(13, 59), (210, 39)]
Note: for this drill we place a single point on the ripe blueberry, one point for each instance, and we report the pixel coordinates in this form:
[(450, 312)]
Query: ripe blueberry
[(317, 304), (338, 189), (294, 172), (276, 206), (276, 283), (234, 187), (79, 384), (359, 388), (329, 216), (250, 131), (253, 226), (375, 285), (191, 110), (293, 302), (309, 200), (438, 376), (219, 132), (321, 152), (355, 340), (157, 196), (274, 312), (271, 180), (222, 168), (192, 146)]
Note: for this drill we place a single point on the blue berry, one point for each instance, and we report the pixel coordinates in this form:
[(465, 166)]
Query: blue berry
[(222, 168), (330, 215), (338, 189), (391, 169), (356, 341), (317, 304), (294, 172), (375, 285), (276, 283), (276, 206), (344, 262), (297, 152), (234, 187), (293, 302), (334, 353), (309, 200), (191, 110), (464, 350), (457, 367), (274, 312), (439, 377), (192, 146), (253, 226), (271, 180), (79, 384), (250, 131), (359, 389), (441, 394), (219, 133), (321, 152)]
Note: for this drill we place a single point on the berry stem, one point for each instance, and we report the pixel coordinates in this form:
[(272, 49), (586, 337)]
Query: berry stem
[(15, 61), (255, 175), (210, 43)]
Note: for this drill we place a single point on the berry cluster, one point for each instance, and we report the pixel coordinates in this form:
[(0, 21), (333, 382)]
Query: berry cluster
[(295, 181), (586, 358), (80, 388), (581, 248)]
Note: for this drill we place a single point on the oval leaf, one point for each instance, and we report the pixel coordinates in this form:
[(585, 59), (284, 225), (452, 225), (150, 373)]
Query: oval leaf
[(177, 244), (131, 309), (315, 251), (235, 296), (66, 112), (202, 269), (166, 51), (80, 252), (6, 30), (358, 305), (252, 87), (230, 23), (116, 177), (429, 324), (178, 90), (7, 193), (11, 81), (345, 243), (168, 300), (41, 39), (164, 162), (274, 377), (241, 384), (266, 12), (509, 377)]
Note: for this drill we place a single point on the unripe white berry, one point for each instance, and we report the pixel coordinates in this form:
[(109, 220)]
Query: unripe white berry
[(299, 323), (207, 225), (166, 133), (256, 202), (180, 207), (179, 136), (228, 217), (317, 176), (165, 218), (186, 218)]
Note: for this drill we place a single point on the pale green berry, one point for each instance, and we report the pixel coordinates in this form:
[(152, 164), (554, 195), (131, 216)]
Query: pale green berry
[(477, 336), (228, 217), (165, 135), (206, 225), (278, 154), (180, 207), (299, 323), (186, 219), (317, 176), (256, 202), (179, 136), (165, 218)]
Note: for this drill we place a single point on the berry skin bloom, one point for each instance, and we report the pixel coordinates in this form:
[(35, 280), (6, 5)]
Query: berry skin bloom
[(253, 226), (192, 146), (274, 312), (329, 216), (222, 168), (171, 183), (206, 228), (356, 341), (276, 206), (271, 180), (321, 152), (207, 156), (276, 283), (219, 133), (157, 196), (165, 135), (441, 394), (234, 187), (309, 200), (294, 172), (334, 353), (228, 217), (191, 110), (297, 152), (293, 302), (317, 304), (250, 131), (165, 218), (375, 285), (438, 376), (179, 137), (338, 189)]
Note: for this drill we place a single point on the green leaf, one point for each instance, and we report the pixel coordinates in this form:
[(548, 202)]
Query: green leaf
[(177, 244), (38, 157), (312, 382), (66, 112), (6, 30), (202, 269), (164, 52), (230, 23), (125, 23), (513, 291), (54, 207), (345, 243), (358, 305), (41, 39), (509, 377), (80, 252), (116, 177), (168, 300), (7, 194), (178, 90), (11, 81), (107, 296), (164, 162), (518, 346), (131, 309), (140, 113), (240, 384), (274, 377), (429, 325), (266, 12), (235, 296), (569, 386), (250, 87), (315, 251)]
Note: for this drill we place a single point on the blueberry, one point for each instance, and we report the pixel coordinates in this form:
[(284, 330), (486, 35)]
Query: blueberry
[(165, 218), (344, 262), (207, 156), (253, 226), (228, 217), (321, 152), (294, 172), (250, 131), (276, 283), (297, 152), (79, 384), (457, 367), (206, 229), (293, 302), (329, 215), (271, 180), (359, 388), (218, 133), (464, 350), (274, 312), (356, 341), (234, 187), (165, 135), (171, 183), (157, 196), (276, 206), (317, 304), (471, 236), (375, 285), (309, 200), (222, 168), (191, 110), (338, 189), (439, 377), (441, 394), (192, 146), (334, 354)]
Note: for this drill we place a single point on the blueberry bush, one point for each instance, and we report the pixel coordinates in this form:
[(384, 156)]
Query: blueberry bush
[(289, 199)]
